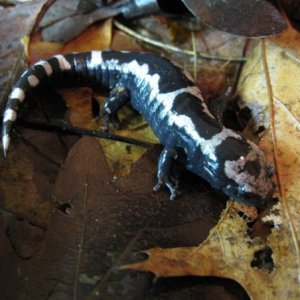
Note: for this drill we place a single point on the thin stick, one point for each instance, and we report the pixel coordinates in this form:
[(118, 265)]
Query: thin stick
[(195, 54), (173, 48), (65, 128)]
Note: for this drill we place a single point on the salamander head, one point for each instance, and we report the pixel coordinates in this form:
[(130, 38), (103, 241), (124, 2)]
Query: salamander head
[(233, 164), (249, 176)]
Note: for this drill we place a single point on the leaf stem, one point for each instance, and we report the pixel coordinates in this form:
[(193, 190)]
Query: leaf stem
[(172, 48)]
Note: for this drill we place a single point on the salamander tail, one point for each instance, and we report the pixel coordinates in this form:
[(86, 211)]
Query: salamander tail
[(10, 116), (5, 144), (42, 72)]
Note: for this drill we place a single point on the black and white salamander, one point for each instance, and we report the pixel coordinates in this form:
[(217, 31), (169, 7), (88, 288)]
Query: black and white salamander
[(172, 105)]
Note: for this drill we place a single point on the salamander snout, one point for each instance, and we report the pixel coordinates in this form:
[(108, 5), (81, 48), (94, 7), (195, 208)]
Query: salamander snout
[(250, 178), (241, 195)]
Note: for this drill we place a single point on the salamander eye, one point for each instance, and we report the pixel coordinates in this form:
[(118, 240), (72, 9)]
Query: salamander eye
[(241, 190)]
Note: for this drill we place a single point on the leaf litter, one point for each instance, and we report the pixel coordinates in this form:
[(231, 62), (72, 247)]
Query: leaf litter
[(235, 253)]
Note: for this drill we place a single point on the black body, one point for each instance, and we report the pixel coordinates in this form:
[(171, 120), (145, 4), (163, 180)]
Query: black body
[(172, 105)]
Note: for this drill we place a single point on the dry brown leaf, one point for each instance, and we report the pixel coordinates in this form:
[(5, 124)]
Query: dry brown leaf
[(94, 38), (39, 49), (19, 193), (97, 37), (270, 86)]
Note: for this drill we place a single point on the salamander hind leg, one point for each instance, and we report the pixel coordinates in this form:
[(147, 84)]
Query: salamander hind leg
[(164, 177), (118, 97)]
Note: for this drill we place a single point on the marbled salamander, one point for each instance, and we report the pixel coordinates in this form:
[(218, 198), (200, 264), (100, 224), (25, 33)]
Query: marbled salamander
[(173, 106)]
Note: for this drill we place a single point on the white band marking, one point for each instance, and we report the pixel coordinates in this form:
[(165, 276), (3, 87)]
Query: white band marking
[(96, 59), (17, 93), (63, 63), (47, 67), (10, 115), (33, 80)]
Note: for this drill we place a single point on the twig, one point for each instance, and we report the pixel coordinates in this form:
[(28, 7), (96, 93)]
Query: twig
[(64, 128), (195, 54), (174, 48)]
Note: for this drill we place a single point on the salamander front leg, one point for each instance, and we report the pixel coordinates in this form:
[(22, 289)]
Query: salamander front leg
[(118, 97), (164, 169)]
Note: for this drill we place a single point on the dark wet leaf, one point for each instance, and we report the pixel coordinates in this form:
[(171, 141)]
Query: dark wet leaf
[(85, 6), (247, 18), (98, 225), (27, 178), (70, 27)]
